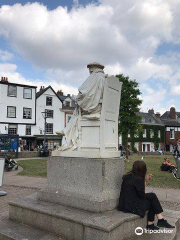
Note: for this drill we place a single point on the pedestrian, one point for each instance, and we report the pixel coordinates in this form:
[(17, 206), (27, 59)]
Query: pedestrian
[(133, 198), (176, 154)]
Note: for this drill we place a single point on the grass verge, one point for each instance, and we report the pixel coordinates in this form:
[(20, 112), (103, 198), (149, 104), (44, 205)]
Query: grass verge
[(38, 168), (160, 179)]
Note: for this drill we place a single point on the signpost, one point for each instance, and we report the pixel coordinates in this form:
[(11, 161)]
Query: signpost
[(2, 162)]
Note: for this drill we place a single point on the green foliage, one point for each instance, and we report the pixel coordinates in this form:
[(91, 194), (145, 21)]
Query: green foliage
[(129, 106), (148, 128)]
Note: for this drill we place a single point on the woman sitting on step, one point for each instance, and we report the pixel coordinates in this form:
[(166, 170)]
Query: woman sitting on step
[(133, 198)]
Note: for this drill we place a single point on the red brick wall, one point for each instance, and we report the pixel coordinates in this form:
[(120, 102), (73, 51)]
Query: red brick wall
[(171, 141)]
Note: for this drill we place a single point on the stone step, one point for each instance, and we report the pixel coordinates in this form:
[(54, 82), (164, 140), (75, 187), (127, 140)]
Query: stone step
[(74, 224), (173, 217), (11, 230)]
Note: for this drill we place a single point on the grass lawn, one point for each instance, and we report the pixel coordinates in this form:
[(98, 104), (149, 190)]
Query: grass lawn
[(38, 168), (34, 168), (160, 179)]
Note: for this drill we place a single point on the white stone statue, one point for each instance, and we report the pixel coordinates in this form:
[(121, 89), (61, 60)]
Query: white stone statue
[(95, 119)]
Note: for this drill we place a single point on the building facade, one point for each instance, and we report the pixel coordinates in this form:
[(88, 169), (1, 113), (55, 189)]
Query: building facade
[(49, 103), (151, 137), (68, 106), (17, 108), (171, 120)]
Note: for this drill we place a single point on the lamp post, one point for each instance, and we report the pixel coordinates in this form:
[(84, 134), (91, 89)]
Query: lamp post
[(45, 117)]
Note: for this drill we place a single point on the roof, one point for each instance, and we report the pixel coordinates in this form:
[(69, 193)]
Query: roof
[(165, 118), (63, 97), (150, 119), (171, 123), (16, 84), (38, 94)]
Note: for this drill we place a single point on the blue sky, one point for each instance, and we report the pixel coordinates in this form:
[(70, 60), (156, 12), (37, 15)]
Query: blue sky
[(51, 42)]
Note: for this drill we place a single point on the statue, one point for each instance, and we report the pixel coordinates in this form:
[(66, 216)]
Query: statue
[(93, 127), (88, 103)]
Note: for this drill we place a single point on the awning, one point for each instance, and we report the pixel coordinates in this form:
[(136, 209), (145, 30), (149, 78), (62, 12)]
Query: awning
[(48, 137)]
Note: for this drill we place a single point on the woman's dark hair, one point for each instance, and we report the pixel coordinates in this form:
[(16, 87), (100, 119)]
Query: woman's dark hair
[(139, 169)]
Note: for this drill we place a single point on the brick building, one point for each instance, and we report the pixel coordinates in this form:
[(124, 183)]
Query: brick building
[(171, 120), (152, 135), (68, 106)]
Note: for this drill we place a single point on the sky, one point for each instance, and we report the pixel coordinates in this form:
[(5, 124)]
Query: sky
[(50, 42)]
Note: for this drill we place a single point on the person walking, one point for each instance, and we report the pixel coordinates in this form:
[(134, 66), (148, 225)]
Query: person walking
[(133, 198), (176, 154)]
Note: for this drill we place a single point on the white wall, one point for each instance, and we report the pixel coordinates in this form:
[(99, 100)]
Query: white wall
[(58, 118), (19, 102)]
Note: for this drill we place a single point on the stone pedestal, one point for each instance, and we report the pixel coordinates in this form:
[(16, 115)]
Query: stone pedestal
[(84, 183), (73, 205)]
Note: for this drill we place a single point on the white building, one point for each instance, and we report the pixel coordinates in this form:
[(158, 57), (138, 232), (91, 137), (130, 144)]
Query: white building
[(17, 108), (21, 113), (48, 101)]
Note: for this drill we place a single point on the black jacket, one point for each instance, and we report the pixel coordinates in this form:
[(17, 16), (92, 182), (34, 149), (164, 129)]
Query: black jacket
[(132, 196)]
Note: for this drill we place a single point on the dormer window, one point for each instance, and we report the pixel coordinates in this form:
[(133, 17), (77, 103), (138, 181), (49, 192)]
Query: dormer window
[(67, 103)]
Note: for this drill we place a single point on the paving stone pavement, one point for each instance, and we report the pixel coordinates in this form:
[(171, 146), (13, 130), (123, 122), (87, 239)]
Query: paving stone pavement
[(12, 193)]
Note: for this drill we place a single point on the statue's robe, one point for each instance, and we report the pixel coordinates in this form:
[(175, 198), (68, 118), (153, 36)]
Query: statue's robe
[(88, 106)]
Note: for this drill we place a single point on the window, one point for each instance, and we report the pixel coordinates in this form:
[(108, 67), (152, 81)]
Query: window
[(28, 130), (144, 133), (159, 133), (12, 129), (49, 113), (12, 91), (49, 128), (48, 101), (68, 118), (67, 103), (11, 112), (136, 135), (27, 93), (151, 133), (172, 134), (27, 113)]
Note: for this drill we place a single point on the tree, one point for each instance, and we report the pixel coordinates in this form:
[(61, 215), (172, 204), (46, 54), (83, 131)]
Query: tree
[(129, 106)]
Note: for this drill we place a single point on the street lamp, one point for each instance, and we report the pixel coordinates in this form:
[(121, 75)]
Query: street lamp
[(44, 114)]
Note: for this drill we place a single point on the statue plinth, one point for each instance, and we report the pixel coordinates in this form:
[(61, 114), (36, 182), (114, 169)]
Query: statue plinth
[(84, 183), (86, 154)]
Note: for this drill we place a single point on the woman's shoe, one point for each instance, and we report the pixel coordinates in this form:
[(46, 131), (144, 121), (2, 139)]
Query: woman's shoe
[(164, 224), (152, 227)]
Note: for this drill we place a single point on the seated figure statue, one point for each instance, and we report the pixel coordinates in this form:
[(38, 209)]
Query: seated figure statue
[(88, 103), (93, 128)]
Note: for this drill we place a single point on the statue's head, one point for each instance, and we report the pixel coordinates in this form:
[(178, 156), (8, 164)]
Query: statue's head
[(93, 66)]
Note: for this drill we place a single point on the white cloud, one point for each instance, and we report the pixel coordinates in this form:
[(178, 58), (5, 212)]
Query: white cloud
[(122, 35), (10, 71), (175, 90), (153, 97), (68, 39), (5, 55)]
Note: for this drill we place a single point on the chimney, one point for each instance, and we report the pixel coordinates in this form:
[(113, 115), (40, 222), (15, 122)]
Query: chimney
[(151, 111), (60, 93), (158, 115), (4, 79), (172, 113), (68, 95)]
